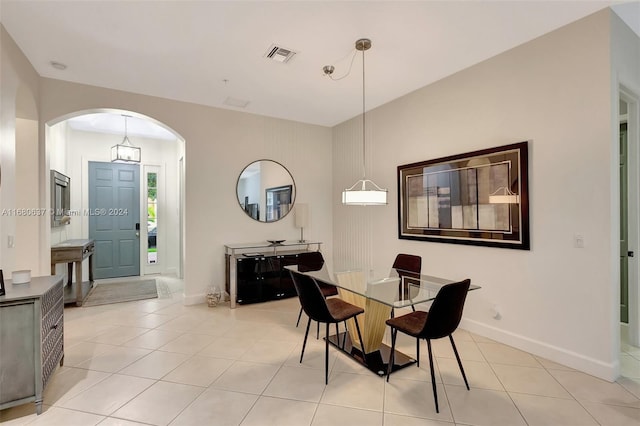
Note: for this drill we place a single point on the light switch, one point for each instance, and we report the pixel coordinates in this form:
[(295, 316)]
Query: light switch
[(10, 241), (578, 241)]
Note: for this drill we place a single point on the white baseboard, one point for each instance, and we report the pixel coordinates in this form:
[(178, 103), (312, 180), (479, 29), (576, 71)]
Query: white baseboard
[(194, 300), (594, 367)]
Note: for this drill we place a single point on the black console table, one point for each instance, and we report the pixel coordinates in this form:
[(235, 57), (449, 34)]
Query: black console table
[(255, 272)]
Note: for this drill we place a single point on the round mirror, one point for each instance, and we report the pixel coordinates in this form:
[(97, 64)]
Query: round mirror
[(266, 191)]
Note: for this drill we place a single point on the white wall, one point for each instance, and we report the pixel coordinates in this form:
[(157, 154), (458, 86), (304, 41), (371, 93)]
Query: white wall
[(555, 299)]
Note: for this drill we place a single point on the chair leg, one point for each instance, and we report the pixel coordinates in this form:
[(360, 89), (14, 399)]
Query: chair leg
[(455, 351), (418, 351), (344, 338), (364, 352), (306, 333), (394, 332), (299, 316), (433, 376), (337, 333), (326, 356), (318, 332)]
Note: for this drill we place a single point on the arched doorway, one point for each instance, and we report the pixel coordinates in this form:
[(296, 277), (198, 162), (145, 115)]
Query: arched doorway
[(77, 140)]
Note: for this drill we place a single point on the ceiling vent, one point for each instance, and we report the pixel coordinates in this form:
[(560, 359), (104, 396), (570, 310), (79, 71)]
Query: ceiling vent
[(279, 54)]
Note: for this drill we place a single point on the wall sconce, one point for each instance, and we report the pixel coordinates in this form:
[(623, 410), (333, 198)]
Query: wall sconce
[(503, 195), (301, 219)]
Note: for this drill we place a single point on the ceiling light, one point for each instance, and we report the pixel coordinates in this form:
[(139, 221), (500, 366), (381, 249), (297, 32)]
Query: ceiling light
[(58, 65), (364, 192), (125, 152)]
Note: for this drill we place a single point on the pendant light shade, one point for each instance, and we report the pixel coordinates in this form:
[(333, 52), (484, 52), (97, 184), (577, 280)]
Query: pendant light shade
[(364, 192), (125, 152)]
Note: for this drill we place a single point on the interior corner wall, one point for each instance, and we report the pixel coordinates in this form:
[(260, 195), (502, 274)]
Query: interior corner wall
[(554, 91), (17, 78), (218, 145)]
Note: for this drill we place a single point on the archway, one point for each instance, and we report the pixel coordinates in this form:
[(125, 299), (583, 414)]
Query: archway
[(74, 140)]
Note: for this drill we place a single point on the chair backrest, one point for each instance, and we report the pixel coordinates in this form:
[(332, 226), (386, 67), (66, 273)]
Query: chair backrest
[(311, 297), (310, 261), (408, 262), (446, 310)]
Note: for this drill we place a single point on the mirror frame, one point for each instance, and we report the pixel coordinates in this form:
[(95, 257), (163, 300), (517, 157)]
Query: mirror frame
[(262, 216)]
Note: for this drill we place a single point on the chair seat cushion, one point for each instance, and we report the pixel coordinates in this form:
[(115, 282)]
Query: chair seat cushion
[(341, 310), (411, 324)]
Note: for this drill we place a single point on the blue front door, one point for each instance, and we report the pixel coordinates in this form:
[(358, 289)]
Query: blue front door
[(114, 218)]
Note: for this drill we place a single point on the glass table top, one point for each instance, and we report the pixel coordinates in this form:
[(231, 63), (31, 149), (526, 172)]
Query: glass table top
[(398, 290)]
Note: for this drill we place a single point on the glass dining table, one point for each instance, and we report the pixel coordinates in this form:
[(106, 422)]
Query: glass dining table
[(379, 297)]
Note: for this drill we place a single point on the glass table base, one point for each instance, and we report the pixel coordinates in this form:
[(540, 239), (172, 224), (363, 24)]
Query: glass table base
[(376, 361)]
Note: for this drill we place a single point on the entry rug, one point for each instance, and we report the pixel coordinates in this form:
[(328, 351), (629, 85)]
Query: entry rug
[(126, 291)]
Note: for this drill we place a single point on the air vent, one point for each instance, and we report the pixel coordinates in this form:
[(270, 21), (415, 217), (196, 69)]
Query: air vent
[(279, 54)]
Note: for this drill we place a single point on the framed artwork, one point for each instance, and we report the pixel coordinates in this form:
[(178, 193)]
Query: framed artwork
[(479, 198), (278, 202)]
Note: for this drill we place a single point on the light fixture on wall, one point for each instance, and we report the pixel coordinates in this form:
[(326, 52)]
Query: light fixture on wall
[(301, 219), (503, 195), (125, 151), (364, 192)]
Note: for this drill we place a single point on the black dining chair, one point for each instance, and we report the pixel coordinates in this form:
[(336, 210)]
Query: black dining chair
[(440, 321), (313, 261), (322, 310), (407, 266)]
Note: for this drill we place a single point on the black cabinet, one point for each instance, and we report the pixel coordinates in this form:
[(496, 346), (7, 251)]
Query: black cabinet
[(262, 278)]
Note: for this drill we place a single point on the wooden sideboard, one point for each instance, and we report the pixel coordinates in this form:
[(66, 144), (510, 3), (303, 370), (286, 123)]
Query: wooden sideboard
[(31, 339), (70, 252)]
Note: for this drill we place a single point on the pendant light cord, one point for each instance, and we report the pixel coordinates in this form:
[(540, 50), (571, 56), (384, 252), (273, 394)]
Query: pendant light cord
[(364, 171)]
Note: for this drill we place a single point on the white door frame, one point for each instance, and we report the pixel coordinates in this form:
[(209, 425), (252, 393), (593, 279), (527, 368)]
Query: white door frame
[(633, 176)]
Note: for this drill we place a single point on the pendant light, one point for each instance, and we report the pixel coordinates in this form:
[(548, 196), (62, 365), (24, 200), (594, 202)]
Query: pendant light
[(364, 192), (125, 152)]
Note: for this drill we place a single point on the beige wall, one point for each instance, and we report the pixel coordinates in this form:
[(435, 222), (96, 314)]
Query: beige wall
[(219, 144), (555, 300), (19, 97)]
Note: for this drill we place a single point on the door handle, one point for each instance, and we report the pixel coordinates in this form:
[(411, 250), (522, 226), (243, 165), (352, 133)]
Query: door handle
[(630, 254), (137, 234)]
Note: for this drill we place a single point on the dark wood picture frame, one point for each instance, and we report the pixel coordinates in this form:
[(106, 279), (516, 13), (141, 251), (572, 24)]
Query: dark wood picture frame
[(278, 202), (477, 198)]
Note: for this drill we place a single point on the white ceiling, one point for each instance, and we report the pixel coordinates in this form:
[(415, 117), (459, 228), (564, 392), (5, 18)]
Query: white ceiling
[(185, 50)]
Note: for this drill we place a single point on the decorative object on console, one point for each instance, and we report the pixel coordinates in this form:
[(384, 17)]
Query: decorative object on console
[(301, 216), (364, 192), (125, 152), (478, 198), (214, 294), (21, 277)]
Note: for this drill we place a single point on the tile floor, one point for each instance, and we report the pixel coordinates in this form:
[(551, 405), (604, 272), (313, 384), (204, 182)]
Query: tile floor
[(161, 363)]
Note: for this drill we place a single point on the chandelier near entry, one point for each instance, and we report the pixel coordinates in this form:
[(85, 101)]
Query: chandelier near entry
[(125, 151), (364, 192)]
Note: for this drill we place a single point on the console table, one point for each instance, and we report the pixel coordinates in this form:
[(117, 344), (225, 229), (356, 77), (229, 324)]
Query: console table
[(254, 272), (70, 252)]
